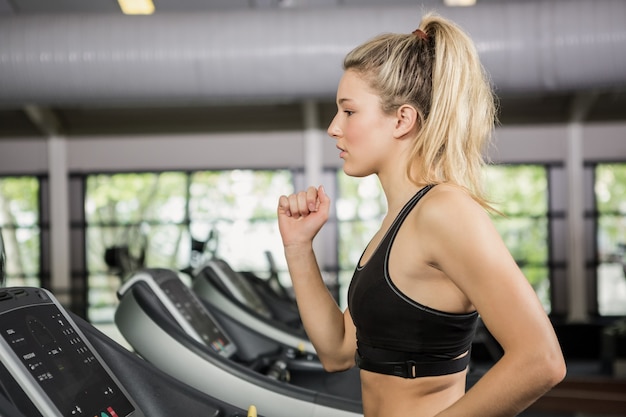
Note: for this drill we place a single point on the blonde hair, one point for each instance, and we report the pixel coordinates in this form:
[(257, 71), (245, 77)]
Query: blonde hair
[(436, 69)]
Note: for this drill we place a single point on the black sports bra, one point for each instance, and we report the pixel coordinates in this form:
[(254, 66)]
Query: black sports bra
[(397, 335)]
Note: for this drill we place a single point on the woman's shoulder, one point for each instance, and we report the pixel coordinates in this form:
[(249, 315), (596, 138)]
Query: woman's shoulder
[(448, 196), (448, 205), (450, 221)]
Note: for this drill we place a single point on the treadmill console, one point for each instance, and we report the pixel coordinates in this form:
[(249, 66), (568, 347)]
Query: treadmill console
[(52, 362), (185, 307)]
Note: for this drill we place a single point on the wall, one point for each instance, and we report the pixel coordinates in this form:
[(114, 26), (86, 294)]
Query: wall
[(539, 143)]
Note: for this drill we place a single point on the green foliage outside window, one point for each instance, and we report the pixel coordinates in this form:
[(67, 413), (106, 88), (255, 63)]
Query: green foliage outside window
[(360, 207), (610, 192), (238, 208), (520, 193), (139, 212), (132, 209), (19, 221), (164, 211)]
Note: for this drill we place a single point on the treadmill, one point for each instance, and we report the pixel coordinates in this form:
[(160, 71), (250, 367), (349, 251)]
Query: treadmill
[(55, 364), (251, 292), (162, 319), (233, 295)]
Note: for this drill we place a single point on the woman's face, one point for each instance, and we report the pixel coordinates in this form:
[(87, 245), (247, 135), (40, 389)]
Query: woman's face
[(363, 132)]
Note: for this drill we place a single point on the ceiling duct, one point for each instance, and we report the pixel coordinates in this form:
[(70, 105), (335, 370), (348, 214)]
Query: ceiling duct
[(290, 54)]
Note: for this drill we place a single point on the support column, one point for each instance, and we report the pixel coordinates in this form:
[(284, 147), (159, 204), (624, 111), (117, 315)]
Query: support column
[(313, 167), (312, 144), (576, 270), (59, 218)]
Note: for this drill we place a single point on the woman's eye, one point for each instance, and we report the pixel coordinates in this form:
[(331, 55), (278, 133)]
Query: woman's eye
[(348, 112)]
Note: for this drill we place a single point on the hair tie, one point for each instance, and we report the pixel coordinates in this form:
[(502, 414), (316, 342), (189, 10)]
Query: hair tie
[(420, 34)]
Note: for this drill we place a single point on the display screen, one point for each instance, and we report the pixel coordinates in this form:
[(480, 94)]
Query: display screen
[(62, 364), (196, 315)]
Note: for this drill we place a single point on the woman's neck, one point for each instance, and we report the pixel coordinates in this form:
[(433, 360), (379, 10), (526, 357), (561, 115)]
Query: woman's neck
[(398, 190)]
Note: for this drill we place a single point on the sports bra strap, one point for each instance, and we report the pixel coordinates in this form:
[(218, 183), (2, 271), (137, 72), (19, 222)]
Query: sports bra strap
[(413, 369)]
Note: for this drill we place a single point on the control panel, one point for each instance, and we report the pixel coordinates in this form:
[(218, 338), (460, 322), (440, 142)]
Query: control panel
[(52, 361)]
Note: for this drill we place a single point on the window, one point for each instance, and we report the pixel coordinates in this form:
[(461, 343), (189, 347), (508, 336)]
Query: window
[(151, 218), (361, 206), (518, 191), (238, 209), (129, 217), (234, 213), (21, 230), (610, 197)]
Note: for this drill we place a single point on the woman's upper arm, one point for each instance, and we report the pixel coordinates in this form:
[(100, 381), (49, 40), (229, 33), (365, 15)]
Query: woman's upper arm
[(349, 347), (341, 357)]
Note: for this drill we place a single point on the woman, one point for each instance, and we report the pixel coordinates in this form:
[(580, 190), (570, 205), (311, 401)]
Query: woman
[(417, 110)]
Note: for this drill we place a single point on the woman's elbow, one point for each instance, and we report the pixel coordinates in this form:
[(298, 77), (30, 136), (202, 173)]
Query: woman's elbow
[(336, 364), (335, 368), (559, 370), (552, 368)]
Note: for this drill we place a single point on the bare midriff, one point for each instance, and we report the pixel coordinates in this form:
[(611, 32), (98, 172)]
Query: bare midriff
[(392, 396)]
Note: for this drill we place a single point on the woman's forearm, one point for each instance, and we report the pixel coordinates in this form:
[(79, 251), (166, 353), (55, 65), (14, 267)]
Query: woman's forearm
[(322, 318), (510, 386)]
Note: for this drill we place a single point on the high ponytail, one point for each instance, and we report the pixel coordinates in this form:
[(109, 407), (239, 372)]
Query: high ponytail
[(462, 114)]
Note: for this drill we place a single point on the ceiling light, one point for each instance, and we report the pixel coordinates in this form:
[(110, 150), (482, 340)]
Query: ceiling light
[(454, 3), (136, 6)]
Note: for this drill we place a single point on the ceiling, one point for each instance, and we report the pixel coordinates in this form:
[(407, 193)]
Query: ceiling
[(608, 104)]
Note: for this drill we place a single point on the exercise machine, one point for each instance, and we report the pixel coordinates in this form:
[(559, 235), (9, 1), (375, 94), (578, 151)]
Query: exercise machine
[(168, 325), (57, 369), (228, 291), (271, 288), (55, 364)]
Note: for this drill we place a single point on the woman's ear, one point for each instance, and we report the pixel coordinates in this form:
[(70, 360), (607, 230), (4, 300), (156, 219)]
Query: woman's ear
[(407, 119)]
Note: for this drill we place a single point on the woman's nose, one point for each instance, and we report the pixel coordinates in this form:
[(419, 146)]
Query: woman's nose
[(333, 130)]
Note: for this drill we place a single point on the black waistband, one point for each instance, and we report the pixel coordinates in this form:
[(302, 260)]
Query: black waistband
[(412, 369)]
